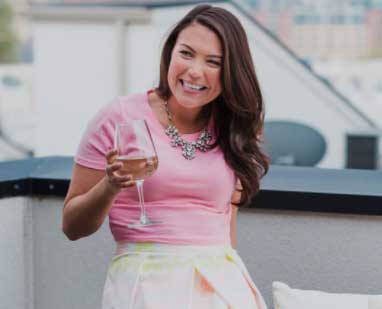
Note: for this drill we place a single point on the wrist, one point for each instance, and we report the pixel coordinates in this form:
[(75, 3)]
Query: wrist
[(110, 188)]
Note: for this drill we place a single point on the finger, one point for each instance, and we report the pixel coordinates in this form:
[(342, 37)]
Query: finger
[(127, 184), (110, 155), (111, 169), (149, 166), (111, 152), (122, 179)]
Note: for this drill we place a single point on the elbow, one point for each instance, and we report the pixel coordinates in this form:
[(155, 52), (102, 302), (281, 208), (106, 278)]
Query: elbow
[(75, 228), (69, 231), (69, 234), (72, 238), (67, 227), (74, 234)]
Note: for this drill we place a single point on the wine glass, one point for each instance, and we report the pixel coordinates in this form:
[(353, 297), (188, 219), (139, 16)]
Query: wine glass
[(136, 151)]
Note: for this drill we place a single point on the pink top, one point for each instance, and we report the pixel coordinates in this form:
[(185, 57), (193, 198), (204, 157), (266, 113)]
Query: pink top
[(191, 197)]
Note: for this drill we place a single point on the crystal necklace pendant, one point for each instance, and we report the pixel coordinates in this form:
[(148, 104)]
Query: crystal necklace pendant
[(188, 148)]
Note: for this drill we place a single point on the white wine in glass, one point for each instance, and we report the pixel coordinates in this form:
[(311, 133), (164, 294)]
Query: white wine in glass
[(137, 153)]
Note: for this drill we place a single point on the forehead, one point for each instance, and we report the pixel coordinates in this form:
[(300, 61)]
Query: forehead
[(201, 39)]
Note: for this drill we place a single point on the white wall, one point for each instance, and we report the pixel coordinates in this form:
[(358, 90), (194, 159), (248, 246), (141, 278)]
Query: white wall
[(75, 74), (331, 252), (14, 238), (17, 110), (68, 274), (143, 53), (359, 79)]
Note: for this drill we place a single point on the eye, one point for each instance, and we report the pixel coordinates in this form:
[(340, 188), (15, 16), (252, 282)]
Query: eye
[(185, 53), (214, 63)]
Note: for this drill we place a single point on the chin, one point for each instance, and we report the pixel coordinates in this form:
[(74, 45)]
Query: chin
[(191, 104)]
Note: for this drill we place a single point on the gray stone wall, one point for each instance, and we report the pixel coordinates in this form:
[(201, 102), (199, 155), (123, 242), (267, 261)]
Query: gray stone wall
[(41, 269)]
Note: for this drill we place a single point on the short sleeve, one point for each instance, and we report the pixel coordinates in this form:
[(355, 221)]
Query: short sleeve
[(98, 138)]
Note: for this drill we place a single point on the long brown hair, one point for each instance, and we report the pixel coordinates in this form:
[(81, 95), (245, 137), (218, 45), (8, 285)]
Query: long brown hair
[(239, 110)]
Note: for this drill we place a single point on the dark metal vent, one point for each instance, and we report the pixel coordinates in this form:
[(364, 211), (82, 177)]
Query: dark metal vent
[(362, 152)]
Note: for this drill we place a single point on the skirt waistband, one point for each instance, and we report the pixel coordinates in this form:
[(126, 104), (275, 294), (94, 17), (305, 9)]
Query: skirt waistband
[(170, 249)]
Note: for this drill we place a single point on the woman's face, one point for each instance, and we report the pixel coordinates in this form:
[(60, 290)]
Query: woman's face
[(195, 67)]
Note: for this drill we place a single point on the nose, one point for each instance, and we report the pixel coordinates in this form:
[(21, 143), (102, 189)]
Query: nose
[(195, 70)]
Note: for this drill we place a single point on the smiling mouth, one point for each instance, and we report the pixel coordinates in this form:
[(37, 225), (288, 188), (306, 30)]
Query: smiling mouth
[(191, 86)]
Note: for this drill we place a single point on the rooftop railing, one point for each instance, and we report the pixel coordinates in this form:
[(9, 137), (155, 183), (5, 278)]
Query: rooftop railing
[(284, 187)]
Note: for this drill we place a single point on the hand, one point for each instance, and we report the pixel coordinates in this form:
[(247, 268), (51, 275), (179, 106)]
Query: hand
[(114, 176)]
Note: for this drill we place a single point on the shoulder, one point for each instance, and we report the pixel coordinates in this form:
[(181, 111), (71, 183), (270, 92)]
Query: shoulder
[(132, 102)]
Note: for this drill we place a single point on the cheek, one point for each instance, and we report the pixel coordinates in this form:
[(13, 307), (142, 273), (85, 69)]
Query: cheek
[(175, 68), (170, 74)]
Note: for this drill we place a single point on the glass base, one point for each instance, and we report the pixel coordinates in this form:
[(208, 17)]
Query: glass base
[(144, 221)]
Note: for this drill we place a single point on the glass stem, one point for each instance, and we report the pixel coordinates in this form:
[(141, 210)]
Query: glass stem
[(139, 184)]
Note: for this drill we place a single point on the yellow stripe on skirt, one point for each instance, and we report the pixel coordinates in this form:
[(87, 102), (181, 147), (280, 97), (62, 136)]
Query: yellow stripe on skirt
[(165, 276)]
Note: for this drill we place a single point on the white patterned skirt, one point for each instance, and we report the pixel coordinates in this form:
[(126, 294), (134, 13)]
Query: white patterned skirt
[(156, 276)]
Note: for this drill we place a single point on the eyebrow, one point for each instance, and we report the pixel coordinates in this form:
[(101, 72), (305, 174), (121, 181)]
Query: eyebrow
[(189, 47)]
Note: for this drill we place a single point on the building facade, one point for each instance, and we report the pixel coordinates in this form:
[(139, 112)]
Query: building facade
[(326, 29)]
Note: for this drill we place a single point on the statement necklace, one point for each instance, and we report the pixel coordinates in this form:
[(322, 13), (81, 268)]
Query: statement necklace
[(188, 148)]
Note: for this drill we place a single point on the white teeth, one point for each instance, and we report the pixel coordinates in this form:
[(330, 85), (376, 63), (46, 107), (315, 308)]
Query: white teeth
[(194, 87)]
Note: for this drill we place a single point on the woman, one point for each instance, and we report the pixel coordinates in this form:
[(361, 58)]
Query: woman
[(207, 86)]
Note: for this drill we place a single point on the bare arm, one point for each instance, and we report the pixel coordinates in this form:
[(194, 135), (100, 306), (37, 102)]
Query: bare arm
[(233, 226), (235, 199), (90, 195)]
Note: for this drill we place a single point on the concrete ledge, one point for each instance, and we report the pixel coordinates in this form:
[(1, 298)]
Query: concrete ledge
[(287, 188)]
